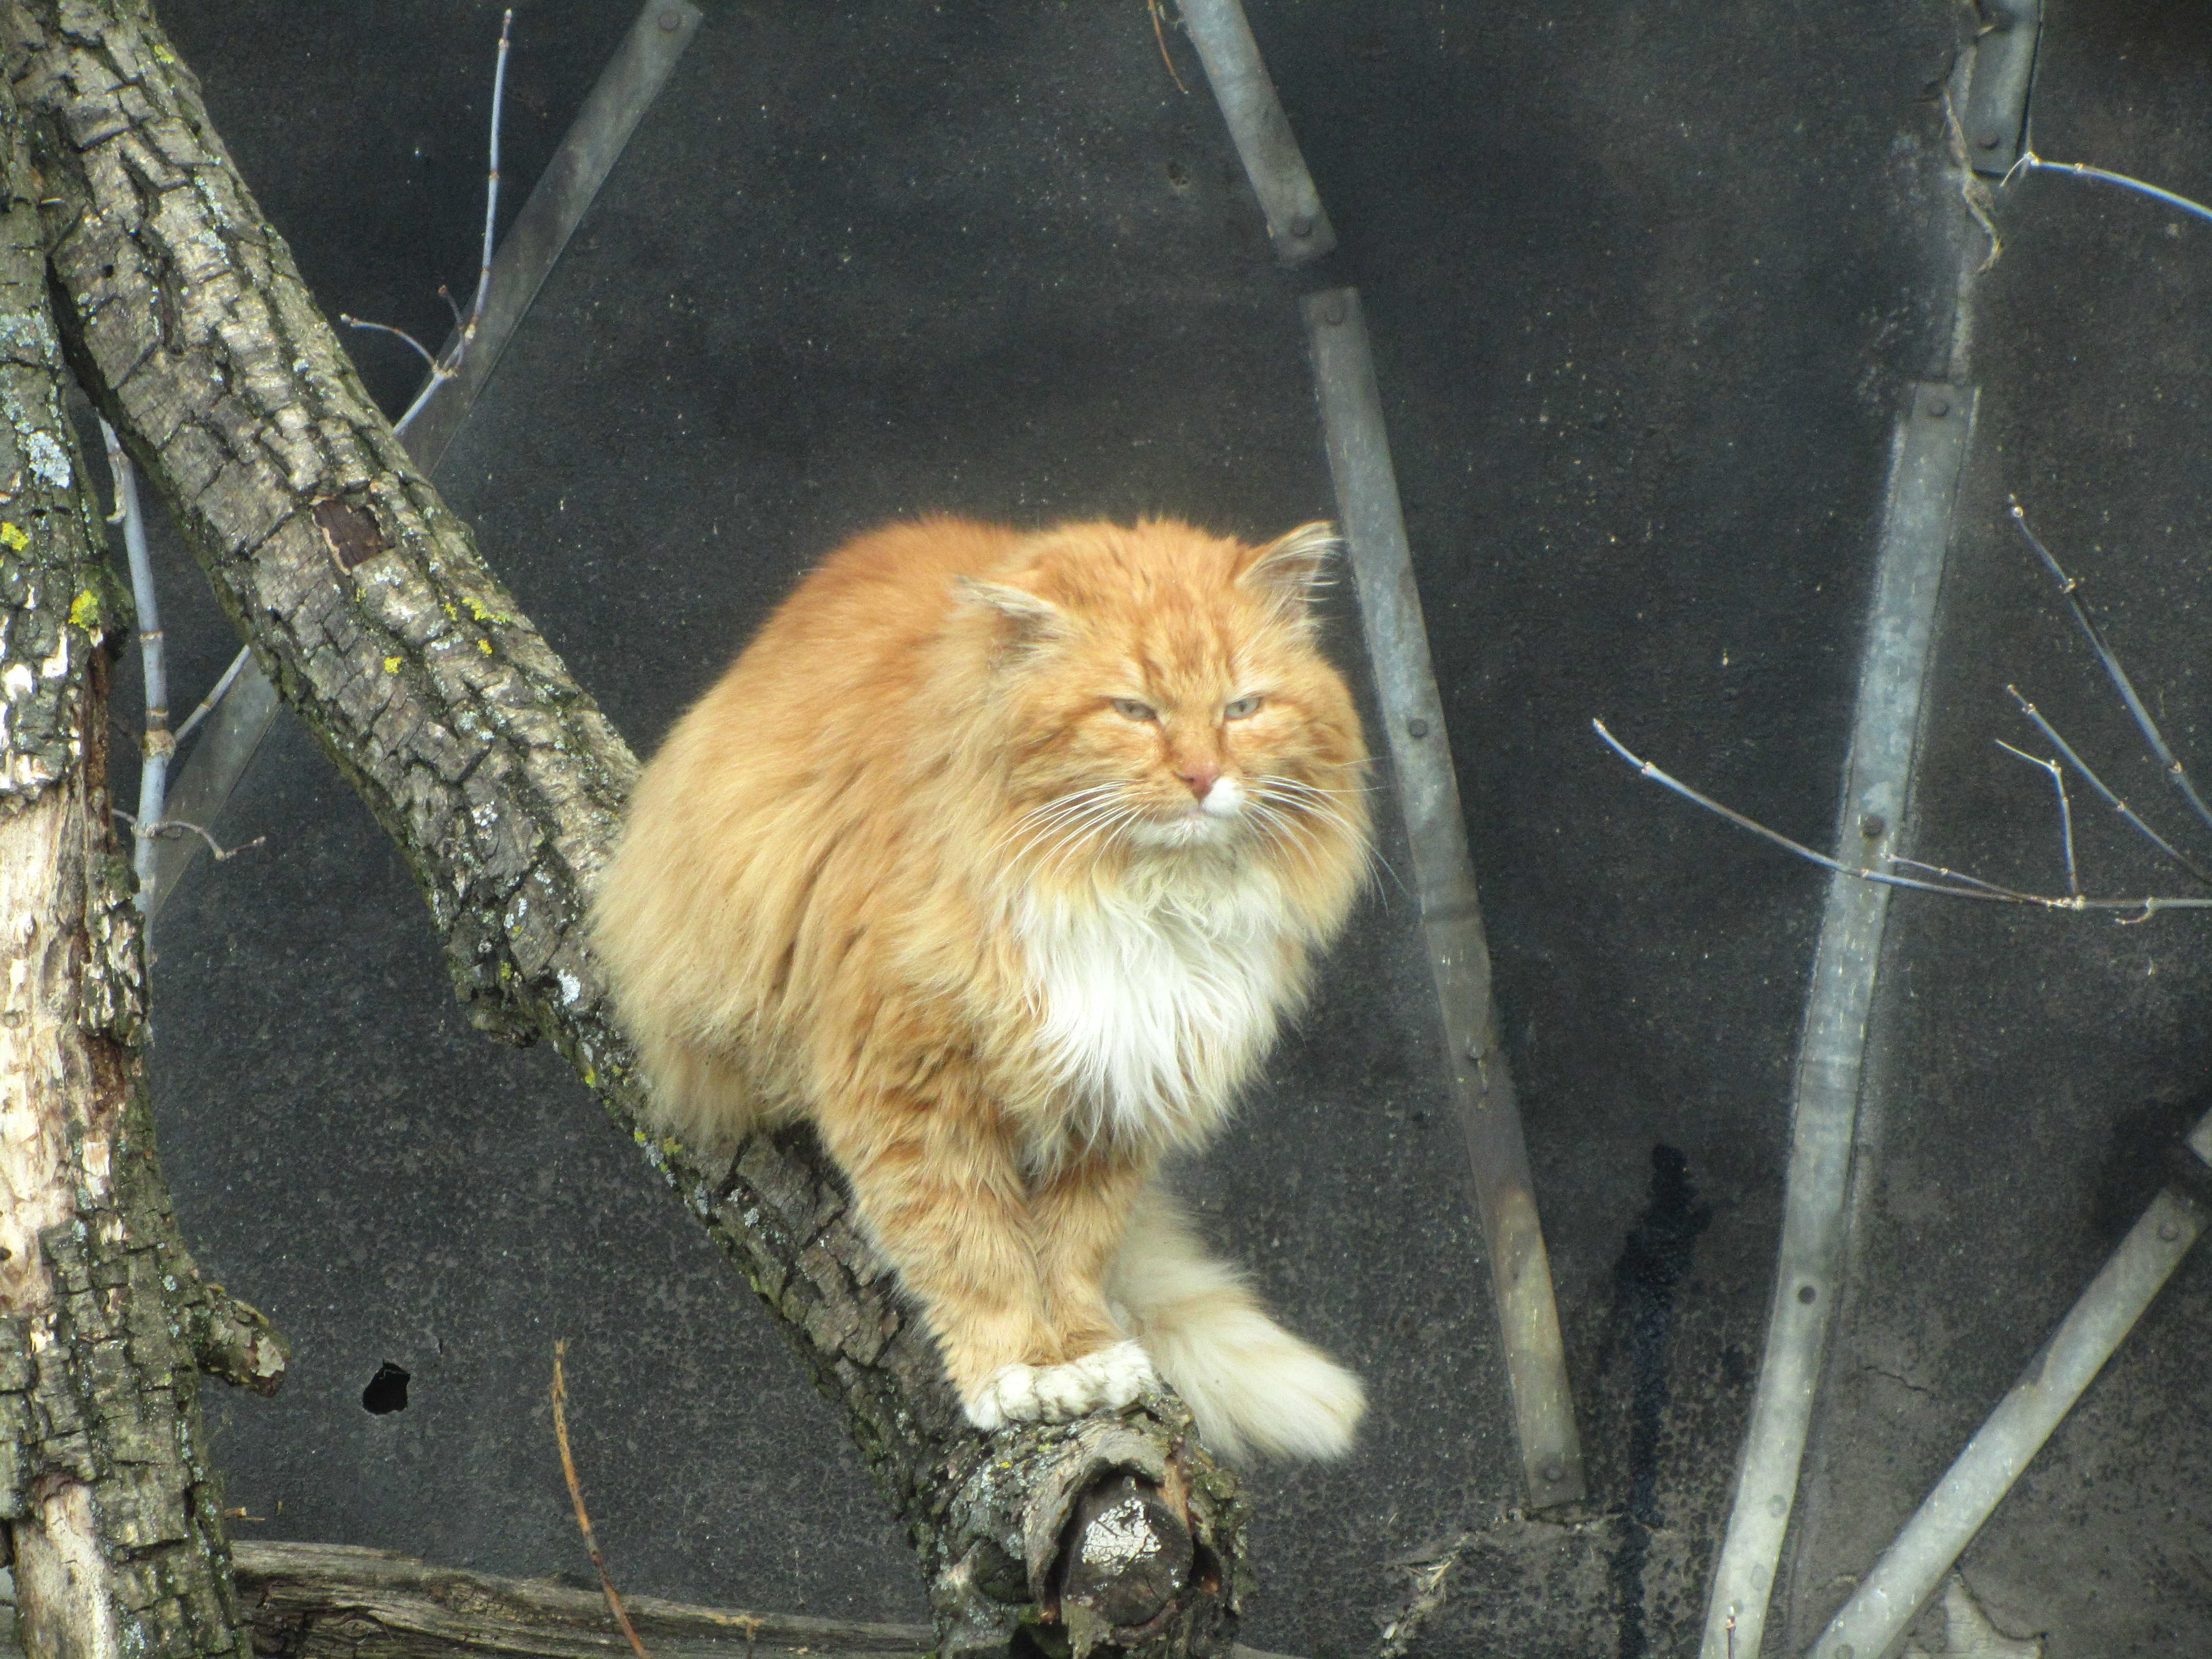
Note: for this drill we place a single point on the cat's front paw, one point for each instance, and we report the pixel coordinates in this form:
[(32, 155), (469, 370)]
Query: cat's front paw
[(1055, 1394)]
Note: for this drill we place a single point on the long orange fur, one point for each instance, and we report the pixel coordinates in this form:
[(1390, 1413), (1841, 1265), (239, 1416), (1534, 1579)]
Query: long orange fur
[(939, 846)]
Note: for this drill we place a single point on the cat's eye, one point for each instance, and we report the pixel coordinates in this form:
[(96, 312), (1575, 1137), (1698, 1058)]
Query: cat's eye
[(1242, 709), (1130, 709)]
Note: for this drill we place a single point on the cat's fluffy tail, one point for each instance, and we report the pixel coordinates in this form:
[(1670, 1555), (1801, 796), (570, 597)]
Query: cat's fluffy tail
[(1253, 1387)]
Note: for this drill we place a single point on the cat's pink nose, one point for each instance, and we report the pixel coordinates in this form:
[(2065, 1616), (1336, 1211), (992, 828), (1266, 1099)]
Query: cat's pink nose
[(1201, 780)]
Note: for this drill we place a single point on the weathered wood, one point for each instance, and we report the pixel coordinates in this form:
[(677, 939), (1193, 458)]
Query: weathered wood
[(107, 1512), (366, 601), (335, 1601)]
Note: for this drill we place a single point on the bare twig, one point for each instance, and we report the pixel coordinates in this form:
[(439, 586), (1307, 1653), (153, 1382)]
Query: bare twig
[(422, 350), (491, 187), (1160, 34), (1966, 887), (154, 830), (2097, 783), (2031, 162), (560, 1396), (444, 368), (2065, 808), (2071, 589), (214, 694)]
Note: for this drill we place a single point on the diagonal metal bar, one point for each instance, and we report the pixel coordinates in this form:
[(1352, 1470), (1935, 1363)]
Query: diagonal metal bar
[(1451, 917), (1297, 222), (1912, 1568), (624, 91), (1929, 448)]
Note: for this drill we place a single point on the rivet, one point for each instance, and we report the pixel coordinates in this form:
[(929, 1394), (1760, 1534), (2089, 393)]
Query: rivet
[(1417, 728), (1844, 1650), (1301, 224), (1939, 407), (670, 21), (2169, 1231), (1553, 1474), (1806, 1293), (1331, 310), (1778, 1506), (1873, 825)]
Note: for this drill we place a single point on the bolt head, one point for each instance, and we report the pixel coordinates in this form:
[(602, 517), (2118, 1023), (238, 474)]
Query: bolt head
[(1415, 728)]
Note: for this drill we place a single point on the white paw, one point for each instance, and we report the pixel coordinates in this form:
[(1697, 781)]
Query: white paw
[(1054, 1393)]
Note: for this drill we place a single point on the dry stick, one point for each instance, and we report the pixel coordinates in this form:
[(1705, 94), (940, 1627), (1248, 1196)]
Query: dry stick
[(2069, 587), (576, 1492), (173, 827), (1978, 889), (1160, 34), (2100, 786), (2065, 808)]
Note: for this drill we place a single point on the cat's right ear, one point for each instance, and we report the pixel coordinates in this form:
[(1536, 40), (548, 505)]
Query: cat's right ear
[(1028, 622)]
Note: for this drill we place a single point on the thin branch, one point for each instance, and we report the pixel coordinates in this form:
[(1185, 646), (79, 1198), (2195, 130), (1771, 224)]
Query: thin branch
[(149, 831), (2065, 808), (215, 694), (157, 745), (1981, 891), (491, 187), (422, 351), (1978, 889), (576, 1491), (2097, 783), (444, 369), (2069, 588), (2031, 162), (1160, 34)]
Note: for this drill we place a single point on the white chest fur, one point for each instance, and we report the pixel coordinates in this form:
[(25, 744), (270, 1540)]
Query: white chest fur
[(1157, 1008)]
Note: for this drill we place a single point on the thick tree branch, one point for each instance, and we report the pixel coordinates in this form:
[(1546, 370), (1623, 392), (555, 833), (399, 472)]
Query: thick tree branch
[(107, 1513), (365, 599)]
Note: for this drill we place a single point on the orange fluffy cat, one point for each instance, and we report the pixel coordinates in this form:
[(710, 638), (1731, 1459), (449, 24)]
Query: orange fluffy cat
[(999, 857)]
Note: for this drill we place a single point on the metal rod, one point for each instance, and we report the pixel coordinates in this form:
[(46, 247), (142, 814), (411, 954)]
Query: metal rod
[(1261, 132), (1929, 447), (1451, 918), (1912, 1568)]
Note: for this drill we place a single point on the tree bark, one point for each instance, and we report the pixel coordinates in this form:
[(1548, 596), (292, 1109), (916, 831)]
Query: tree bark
[(108, 1514), (366, 601)]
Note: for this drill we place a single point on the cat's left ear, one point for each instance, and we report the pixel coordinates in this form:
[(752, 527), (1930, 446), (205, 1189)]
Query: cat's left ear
[(1030, 621), (1293, 567)]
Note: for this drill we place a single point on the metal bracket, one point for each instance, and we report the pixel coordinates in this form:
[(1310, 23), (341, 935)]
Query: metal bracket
[(2004, 66)]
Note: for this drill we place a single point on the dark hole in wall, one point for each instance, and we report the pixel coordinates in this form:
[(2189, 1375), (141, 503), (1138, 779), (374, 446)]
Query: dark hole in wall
[(386, 1391)]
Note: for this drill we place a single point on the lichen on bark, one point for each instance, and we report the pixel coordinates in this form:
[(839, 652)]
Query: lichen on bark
[(366, 601)]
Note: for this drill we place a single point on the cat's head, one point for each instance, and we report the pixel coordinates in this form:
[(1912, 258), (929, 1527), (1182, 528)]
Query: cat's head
[(1162, 690)]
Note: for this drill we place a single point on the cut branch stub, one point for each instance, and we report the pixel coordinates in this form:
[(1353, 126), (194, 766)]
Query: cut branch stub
[(365, 599)]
